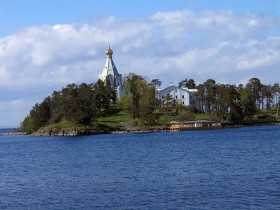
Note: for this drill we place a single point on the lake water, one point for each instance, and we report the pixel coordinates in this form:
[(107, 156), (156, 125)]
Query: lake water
[(222, 169)]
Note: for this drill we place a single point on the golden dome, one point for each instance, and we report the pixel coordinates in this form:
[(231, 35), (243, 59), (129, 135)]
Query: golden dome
[(109, 52)]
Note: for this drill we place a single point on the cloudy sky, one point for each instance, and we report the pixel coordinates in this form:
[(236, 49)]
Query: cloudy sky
[(45, 45)]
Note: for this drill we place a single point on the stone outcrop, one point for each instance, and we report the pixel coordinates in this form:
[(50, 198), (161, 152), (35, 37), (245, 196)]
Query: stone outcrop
[(70, 131)]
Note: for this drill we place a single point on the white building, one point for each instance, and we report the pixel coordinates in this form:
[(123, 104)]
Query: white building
[(181, 95), (111, 73)]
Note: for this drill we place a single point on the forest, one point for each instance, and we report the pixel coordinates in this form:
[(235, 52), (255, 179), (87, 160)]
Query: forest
[(84, 104)]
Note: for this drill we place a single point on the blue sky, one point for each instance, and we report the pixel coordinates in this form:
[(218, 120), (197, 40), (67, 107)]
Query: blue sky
[(44, 45), (15, 14)]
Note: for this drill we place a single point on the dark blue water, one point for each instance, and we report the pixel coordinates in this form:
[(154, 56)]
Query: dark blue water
[(224, 169)]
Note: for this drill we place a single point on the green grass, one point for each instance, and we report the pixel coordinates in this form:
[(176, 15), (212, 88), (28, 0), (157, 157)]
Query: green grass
[(204, 117), (266, 114), (163, 119), (61, 125), (121, 116), (64, 124)]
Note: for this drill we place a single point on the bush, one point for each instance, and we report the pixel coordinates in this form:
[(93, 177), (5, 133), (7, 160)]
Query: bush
[(186, 115)]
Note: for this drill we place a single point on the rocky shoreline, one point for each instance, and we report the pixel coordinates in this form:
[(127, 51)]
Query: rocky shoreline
[(14, 133), (84, 132), (127, 129), (68, 132)]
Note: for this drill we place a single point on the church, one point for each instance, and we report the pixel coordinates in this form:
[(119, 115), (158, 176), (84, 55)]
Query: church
[(181, 95), (111, 73)]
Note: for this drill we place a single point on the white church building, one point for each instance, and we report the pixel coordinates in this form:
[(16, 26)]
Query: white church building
[(111, 73), (181, 95)]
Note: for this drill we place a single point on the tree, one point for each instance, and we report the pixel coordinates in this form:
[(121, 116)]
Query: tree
[(102, 95), (85, 109), (210, 94), (56, 107), (110, 92), (28, 125), (134, 85), (168, 100), (190, 84), (200, 97), (275, 90), (235, 105), (266, 96), (247, 101), (70, 102), (223, 100), (156, 83), (255, 86), (148, 105), (125, 102), (228, 105)]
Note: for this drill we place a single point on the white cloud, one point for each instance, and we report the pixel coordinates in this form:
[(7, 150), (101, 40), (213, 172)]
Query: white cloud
[(171, 46), (13, 111)]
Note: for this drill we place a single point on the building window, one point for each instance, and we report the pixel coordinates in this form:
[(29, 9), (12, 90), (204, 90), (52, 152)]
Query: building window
[(162, 97), (176, 97), (183, 102), (183, 96)]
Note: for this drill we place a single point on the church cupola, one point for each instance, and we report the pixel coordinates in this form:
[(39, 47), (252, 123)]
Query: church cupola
[(111, 73), (109, 52)]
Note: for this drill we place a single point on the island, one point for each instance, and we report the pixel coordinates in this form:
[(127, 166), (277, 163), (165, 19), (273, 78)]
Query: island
[(133, 103)]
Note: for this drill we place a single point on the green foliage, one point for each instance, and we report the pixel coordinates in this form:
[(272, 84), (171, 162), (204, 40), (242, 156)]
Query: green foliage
[(248, 103), (186, 116), (141, 100), (29, 125), (125, 103), (61, 125), (155, 83), (164, 119), (134, 85), (148, 105), (76, 104), (205, 116), (119, 117), (190, 84), (230, 102)]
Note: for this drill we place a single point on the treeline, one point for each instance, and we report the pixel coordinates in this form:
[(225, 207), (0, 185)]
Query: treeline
[(85, 103), (78, 104), (236, 102)]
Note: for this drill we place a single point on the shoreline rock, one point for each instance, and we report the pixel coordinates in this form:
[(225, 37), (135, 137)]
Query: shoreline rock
[(14, 133)]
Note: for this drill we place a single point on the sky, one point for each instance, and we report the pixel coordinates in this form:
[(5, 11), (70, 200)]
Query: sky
[(45, 45)]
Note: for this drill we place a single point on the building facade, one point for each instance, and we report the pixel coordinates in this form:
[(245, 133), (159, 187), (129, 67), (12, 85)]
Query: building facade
[(176, 94)]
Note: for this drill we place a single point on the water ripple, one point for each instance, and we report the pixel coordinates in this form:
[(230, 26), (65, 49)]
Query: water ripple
[(225, 169)]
